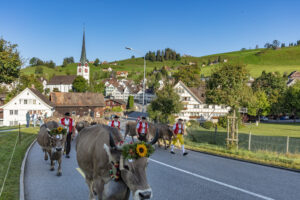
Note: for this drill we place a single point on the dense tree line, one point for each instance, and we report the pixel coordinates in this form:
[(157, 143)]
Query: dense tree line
[(161, 55), (276, 44), (34, 61), (68, 60)]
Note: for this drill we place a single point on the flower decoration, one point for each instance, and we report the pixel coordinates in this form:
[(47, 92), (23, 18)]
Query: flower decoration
[(58, 131), (137, 150), (141, 150)]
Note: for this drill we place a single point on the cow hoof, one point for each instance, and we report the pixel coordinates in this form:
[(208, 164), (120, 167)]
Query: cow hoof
[(58, 173), (46, 159), (51, 169)]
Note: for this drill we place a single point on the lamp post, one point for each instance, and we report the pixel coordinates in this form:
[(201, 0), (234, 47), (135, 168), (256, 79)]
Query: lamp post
[(131, 49)]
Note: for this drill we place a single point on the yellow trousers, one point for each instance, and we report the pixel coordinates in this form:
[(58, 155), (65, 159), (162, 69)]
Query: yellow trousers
[(178, 137)]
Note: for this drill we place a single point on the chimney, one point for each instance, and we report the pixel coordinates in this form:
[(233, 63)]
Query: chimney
[(32, 86)]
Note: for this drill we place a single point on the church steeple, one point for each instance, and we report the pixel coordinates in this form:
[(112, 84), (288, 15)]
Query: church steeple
[(83, 53)]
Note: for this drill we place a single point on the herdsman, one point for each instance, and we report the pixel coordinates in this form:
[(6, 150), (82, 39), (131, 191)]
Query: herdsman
[(178, 131), (115, 123), (69, 124), (142, 129)]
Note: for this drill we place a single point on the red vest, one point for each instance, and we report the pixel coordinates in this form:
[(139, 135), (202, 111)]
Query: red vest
[(141, 127), (177, 129), (70, 124), (113, 124)]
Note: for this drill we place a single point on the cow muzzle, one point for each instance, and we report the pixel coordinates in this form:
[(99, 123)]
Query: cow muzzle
[(143, 194), (58, 148)]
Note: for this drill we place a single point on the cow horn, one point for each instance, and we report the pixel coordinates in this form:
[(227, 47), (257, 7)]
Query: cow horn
[(154, 140), (121, 162)]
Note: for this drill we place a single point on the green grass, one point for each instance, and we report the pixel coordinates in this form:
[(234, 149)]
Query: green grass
[(10, 127), (283, 60), (7, 142)]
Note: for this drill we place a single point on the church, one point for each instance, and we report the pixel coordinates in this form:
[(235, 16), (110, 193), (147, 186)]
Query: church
[(64, 83)]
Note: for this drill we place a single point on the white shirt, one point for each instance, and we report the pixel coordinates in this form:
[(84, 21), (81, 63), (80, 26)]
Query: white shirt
[(143, 125), (116, 123), (179, 126)]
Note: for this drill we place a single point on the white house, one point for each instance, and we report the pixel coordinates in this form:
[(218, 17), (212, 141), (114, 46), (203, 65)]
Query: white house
[(63, 83), (194, 106), (30, 99)]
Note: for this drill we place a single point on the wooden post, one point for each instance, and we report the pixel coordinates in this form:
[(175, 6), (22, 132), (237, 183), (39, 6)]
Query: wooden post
[(19, 134), (227, 142), (237, 134), (249, 142), (287, 144)]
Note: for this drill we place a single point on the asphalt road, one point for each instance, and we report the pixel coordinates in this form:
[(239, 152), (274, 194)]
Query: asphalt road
[(172, 177)]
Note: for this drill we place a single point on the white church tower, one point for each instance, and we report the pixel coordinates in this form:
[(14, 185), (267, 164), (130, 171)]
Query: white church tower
[(83, 68)]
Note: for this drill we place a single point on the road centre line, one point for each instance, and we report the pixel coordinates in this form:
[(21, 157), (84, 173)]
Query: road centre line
[(80, 172), (213, 181)]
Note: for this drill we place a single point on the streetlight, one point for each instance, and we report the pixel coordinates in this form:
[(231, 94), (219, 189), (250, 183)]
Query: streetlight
[(131, 49)]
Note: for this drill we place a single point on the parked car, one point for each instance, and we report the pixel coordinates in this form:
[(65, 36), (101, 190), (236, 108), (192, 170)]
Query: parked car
[(284, 117), (263, 118)]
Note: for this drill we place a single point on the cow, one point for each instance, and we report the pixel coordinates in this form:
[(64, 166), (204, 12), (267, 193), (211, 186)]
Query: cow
[(52, 145), (164, 131), (130, 129), (98, 150), (81, 125)]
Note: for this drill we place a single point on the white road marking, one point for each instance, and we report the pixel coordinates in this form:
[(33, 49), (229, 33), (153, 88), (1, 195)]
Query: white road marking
[(213, 181), (80, 172)]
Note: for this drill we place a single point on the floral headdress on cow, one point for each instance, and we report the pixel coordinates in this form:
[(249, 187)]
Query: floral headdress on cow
[(137, 150), (58, 131)]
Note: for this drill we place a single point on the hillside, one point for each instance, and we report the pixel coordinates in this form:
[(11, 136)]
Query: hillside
[(284, 60)]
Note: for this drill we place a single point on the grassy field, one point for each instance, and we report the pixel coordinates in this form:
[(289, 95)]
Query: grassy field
[(283, 60), (7, 142)]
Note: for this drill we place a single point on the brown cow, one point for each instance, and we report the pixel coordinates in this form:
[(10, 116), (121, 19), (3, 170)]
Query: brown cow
[(165, 133), (52, 145), (97, 154), (130, 130)]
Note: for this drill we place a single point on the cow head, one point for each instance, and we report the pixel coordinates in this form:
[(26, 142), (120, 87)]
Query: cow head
[(81, 125), (133, 171), (56, 142)]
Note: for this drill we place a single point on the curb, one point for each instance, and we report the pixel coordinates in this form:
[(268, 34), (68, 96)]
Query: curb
[(22, 189), (243, 160)]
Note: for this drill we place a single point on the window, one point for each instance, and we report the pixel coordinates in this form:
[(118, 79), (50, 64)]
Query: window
[(196, 106), (34, 101), (25, 101), (20, 101), (11, 112), (16, 112), (30, 101)]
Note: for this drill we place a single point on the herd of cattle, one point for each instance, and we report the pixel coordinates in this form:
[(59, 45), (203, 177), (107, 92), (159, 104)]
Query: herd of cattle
[(98, 149)]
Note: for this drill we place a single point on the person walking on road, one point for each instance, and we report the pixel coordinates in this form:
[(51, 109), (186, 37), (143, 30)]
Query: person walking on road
[(34, 118), (178, 131), (142, 129), (27, 119), (115, 123), (69, 124)]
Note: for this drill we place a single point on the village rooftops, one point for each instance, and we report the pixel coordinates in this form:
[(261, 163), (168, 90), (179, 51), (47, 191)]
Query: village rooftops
[(41, 96), (62, 80), (77, 99)]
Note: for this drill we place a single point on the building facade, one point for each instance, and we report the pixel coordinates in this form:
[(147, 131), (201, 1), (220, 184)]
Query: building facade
[(29, 100), (62, 83), (83, 68), (194, 106)]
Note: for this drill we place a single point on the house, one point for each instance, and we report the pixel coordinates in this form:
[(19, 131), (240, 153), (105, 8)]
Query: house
[(107, 69), (194, 104), (250, 81), (43, 81), (76, 103), (225, 60), (2, 101), (123, 74), (110, 103), (293, 78), (30, 99), (114, 63), (63, 83), (192, 63)]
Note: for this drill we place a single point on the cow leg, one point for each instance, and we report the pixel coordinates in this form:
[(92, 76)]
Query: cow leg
[(169, 143), (165, 143), (59, 171), (52, 165), (132, 139), (46, 155), (89, 182), (158, 143)]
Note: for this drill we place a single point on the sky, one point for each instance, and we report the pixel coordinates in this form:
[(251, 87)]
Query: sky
[(52, 30)]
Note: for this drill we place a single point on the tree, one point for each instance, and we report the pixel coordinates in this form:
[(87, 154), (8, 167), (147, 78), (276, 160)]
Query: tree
[(275, 44), (10, 62), (130, 102), (39, 70), (55, 90), (96, 62), (268, 45), (282, 45), (80, 84), (226, 85), (33, 61), (67, 60), (132, 57), (260, 105), (292, 100), (166, 104), (298, 42), (256, 46), (189, 75), (47, 91), (97, 87)]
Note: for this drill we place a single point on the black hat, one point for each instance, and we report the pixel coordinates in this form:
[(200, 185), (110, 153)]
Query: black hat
[(116, 116), (180, 119), (67, 114), (143, 117)]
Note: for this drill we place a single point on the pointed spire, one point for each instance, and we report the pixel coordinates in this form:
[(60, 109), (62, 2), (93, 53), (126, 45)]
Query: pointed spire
[(83, 53)]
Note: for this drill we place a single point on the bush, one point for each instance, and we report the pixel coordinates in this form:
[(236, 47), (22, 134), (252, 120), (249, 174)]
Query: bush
[(222, 121), (39, 70), (117, 109), (207, 125), (193, 123)]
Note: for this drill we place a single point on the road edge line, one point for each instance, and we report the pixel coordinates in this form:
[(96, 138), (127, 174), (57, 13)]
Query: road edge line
[(22, 188)]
